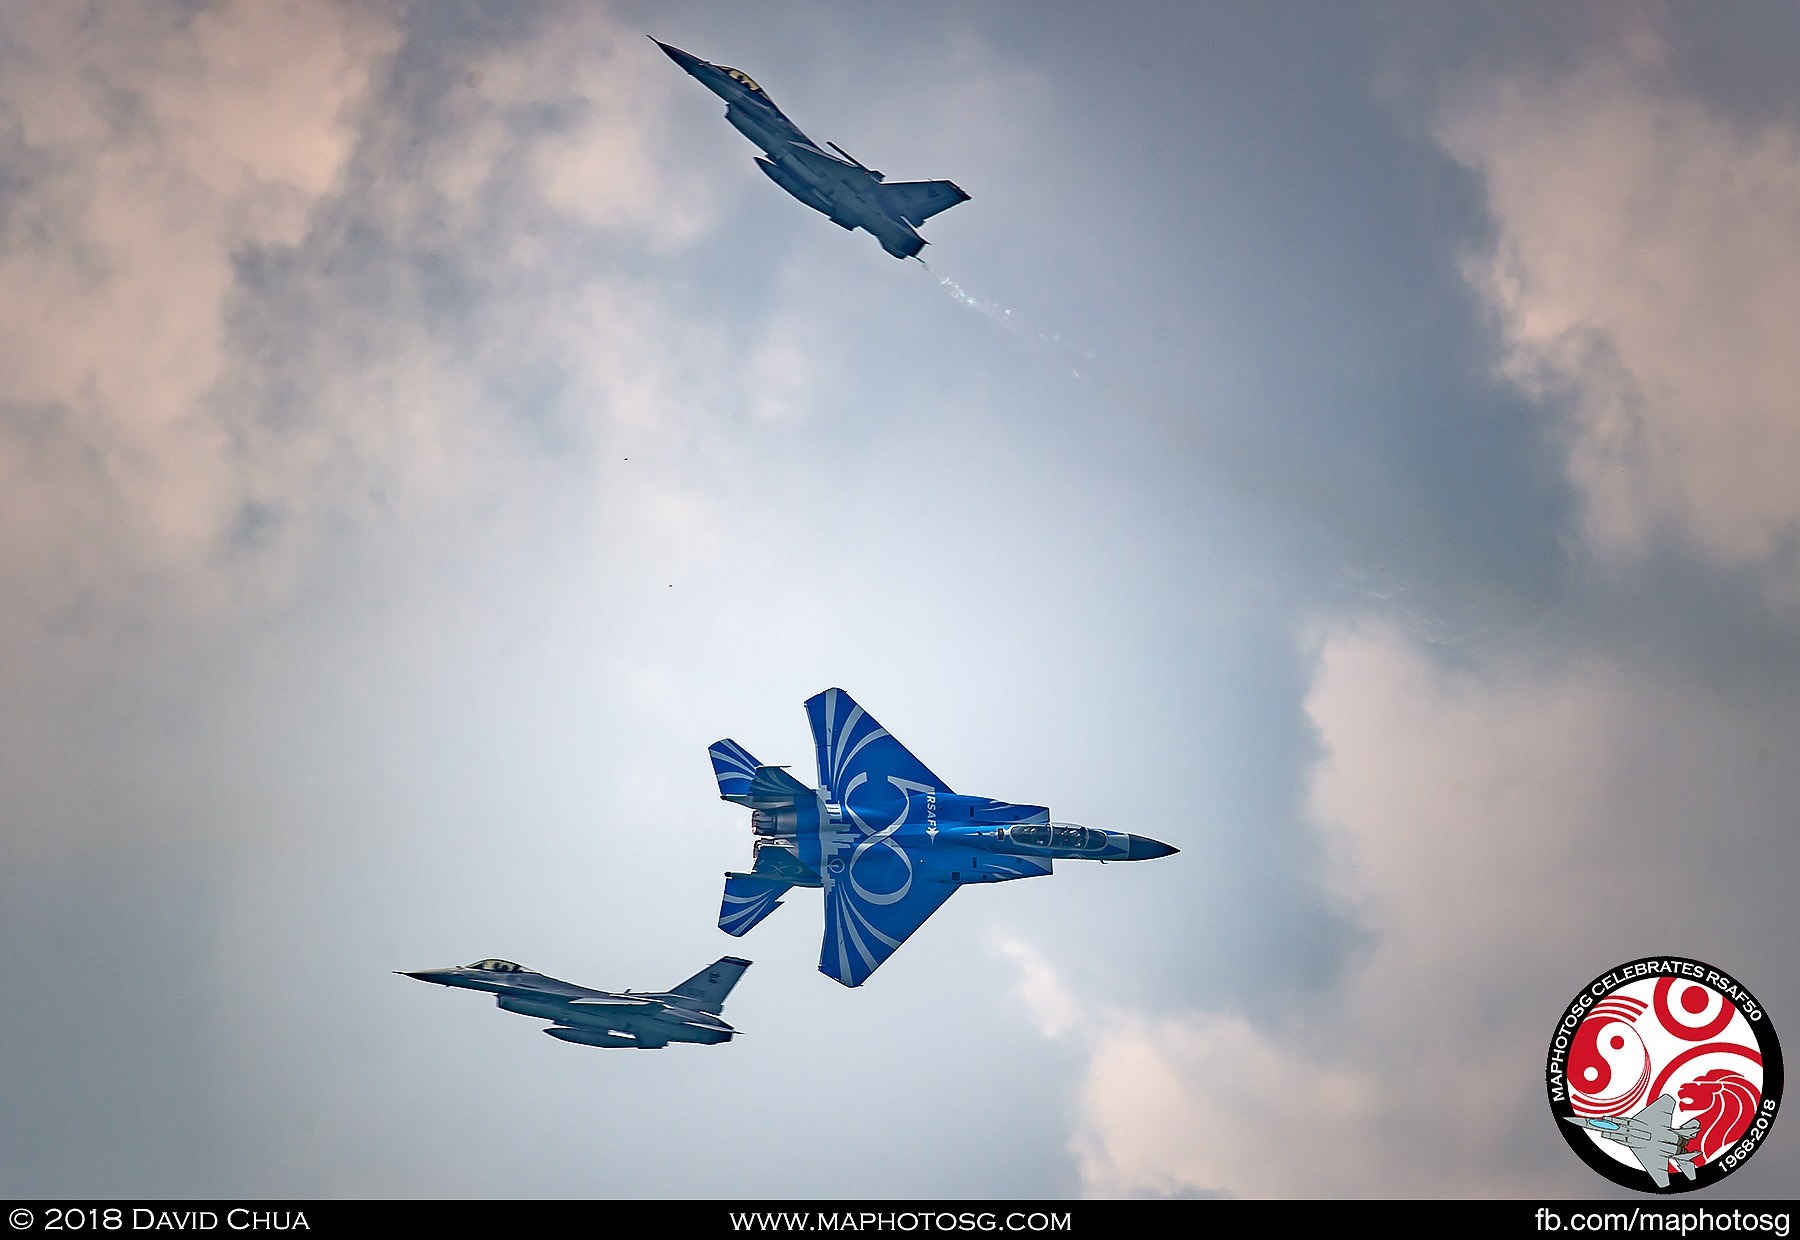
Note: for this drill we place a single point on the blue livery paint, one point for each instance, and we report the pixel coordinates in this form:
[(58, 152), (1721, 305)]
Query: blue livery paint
[(884, 837), (734, 768), (861, 766), (748, 899)]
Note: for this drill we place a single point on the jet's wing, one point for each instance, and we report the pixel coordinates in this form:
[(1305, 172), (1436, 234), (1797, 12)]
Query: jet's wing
[(861, 766), (1654, 1155), (917, 201), (1656, 1165), (824, 164), (871, 907)]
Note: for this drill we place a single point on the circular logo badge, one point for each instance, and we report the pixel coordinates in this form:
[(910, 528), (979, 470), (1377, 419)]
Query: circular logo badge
[(1664, 1074)]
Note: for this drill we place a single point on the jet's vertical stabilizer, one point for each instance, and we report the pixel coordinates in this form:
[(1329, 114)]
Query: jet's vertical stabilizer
[(711, 984), (734, 768)]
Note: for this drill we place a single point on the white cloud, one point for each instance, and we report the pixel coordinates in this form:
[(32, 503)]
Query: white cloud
[(1503, 837), (1213, 1105), (1052, 1006), (152, 403), (152, 146), (610, 159), (1644, 265)]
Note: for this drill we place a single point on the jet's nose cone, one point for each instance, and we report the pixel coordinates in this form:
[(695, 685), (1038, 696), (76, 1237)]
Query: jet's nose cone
[(428, 975), (690, 63), (1143, 848)]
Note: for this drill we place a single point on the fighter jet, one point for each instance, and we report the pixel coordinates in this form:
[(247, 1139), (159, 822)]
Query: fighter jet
[(1649, 1137), (647, 1020), (886, 839), (851, 194)]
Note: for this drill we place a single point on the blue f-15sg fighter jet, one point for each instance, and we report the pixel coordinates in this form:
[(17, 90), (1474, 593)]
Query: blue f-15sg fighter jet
[(884, 836), (852, 195)]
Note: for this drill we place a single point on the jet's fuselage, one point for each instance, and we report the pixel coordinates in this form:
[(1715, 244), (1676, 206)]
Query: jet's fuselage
[(766, 125), (931, 819)]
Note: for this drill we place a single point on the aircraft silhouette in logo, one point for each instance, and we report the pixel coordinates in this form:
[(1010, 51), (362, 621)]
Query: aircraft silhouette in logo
[(1650, 1137)]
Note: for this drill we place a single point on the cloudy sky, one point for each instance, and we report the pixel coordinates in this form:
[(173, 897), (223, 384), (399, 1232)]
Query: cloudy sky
[(1357, 443)]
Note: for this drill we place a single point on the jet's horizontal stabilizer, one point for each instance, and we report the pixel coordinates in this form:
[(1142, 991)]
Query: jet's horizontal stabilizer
[(772, 785), (748, 899), (710, 985), (917, 201)]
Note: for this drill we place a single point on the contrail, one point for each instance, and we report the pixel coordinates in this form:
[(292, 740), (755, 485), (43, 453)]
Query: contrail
[(1066, 351)]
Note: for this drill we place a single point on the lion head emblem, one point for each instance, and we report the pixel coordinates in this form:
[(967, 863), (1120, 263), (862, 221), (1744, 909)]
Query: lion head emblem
[(1727, 1102)]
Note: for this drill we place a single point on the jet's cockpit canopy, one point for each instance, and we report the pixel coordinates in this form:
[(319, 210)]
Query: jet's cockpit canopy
[(743, 79), (1070, 835), (498, 966)]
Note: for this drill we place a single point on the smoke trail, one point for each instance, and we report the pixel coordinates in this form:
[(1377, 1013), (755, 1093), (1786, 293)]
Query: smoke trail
[(1065, 351)]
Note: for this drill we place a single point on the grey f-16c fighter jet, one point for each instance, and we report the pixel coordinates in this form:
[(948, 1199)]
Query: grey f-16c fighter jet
[(647, 1020), (1650, 1136), (851, 194)]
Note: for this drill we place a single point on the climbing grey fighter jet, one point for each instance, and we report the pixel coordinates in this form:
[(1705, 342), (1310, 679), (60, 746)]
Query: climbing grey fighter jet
[(1651, 1137), (648, 1020), (885, 837), (849, 193)]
